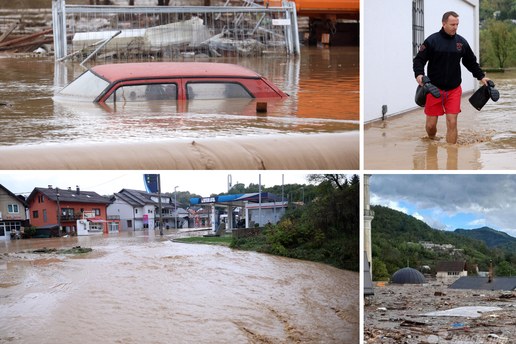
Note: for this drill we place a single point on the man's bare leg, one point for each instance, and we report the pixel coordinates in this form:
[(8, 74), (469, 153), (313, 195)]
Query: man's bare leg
[(451, 124), (431, 126)]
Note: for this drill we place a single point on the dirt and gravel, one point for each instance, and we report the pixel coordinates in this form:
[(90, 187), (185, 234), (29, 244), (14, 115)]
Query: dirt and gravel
[(395, 315)]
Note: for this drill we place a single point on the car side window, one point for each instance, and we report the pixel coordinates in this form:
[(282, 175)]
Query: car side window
[(136, 93), (216, 90)]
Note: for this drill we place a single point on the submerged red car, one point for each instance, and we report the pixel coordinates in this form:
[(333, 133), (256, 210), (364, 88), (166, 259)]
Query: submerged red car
[(127, 82)]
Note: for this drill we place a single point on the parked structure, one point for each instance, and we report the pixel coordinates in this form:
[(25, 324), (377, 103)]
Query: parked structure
[(451, 269), (389, 82), (138, 210), (13, 214), (64, 207)]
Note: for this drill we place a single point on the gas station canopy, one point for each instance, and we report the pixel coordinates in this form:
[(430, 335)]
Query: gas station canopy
[(237, 200)]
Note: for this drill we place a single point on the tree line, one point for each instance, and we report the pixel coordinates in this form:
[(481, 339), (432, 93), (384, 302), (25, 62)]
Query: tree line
[(497, 33)]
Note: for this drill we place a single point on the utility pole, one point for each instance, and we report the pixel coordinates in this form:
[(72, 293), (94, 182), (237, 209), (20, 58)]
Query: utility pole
[(58, 213), (175, 204), (160, 211), (260, 200)]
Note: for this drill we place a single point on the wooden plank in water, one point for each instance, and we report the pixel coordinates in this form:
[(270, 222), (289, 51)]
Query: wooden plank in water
[(8, 31), (26, 37)]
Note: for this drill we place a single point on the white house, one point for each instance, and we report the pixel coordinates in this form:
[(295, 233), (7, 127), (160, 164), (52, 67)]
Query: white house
[(138, 210), (393, 31)]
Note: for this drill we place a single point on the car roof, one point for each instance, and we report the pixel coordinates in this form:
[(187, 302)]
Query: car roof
[(114, 72)]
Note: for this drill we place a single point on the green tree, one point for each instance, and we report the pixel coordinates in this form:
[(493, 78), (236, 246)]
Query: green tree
[(505, 269), (380, 272), (487, 9), (502, 39), (329, 181)]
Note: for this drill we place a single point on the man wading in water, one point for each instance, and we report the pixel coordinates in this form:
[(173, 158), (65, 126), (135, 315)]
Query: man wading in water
[(443, 51)]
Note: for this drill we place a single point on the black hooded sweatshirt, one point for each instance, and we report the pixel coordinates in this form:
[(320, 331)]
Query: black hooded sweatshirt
[(443, 53)]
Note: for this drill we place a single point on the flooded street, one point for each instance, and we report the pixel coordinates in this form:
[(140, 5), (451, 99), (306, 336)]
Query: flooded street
[(324, 100), (137, 287), (322, 84), (487, 138)]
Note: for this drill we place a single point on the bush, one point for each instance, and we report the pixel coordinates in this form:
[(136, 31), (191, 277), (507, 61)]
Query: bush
[(31, 231)]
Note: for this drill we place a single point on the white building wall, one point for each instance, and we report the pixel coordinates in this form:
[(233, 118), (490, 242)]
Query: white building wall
[(387, 77), (124, 210)]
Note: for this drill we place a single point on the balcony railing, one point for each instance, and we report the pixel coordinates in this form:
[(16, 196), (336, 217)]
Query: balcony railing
[(71, 217)]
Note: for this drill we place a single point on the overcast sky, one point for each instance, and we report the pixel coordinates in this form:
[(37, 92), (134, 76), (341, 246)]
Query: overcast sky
[(203, 183), (449, 201)]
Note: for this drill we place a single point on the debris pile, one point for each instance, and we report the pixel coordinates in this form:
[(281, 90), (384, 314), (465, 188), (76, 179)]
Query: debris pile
[(73, 250), (25, 30), (432, 314)]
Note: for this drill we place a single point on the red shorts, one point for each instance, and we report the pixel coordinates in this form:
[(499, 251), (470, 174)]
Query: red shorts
[(449, 102)]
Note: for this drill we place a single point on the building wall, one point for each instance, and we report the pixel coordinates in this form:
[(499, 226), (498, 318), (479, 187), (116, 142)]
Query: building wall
[(387, 75), (5, 200), (125, 211), (454, 275), (48, 205), (51, 209)]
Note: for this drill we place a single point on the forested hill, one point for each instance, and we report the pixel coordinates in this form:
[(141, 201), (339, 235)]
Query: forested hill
[(392, 231), (491, 237)]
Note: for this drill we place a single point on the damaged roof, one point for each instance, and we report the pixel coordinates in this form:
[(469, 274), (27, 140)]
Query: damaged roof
[(451, 266), (482, 283)]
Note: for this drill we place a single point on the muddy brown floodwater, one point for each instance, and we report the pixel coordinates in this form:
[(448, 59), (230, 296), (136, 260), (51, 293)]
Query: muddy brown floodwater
[(138, 287), (324, 96), (486, 141)]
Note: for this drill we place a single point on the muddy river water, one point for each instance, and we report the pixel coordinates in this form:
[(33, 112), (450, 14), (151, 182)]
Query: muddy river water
[(138, 287), (324, 99), (487, 138)]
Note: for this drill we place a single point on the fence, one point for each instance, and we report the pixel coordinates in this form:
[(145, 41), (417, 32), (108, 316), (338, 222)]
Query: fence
[(170, 32)]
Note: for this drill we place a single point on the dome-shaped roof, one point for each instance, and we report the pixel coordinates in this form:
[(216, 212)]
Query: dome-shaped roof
[(408, 276)]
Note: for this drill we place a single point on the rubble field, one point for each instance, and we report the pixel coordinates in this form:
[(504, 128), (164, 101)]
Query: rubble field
[(395, 314)]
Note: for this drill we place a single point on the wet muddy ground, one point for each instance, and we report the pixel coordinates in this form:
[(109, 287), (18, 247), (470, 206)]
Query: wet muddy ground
[(139, 287), (486, 141), (394, 315)]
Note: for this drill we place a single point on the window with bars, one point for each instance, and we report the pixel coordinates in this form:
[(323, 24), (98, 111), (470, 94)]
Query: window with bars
[(418, 26)]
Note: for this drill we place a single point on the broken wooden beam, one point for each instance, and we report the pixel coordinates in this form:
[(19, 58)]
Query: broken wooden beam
[(34, 45), (46, 40), (26, 38), (8, 31)]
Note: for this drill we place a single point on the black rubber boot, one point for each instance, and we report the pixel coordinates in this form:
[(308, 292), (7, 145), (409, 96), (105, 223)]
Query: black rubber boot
[(433, 90), (493, 92)]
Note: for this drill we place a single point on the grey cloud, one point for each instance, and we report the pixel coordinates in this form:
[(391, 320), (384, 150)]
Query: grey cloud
[(493, 195)]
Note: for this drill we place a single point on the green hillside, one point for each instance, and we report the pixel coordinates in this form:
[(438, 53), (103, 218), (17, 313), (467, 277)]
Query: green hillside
[(491, 237), (396, 237)]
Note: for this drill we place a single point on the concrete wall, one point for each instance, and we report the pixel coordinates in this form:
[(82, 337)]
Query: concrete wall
[(387, 76)]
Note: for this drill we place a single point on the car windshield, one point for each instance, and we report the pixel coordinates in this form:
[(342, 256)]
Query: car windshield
[(87, 87)]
